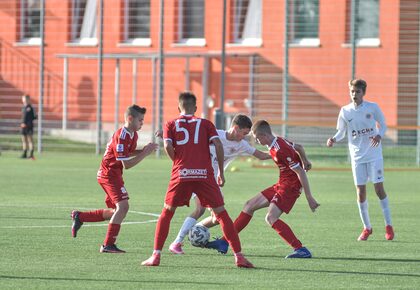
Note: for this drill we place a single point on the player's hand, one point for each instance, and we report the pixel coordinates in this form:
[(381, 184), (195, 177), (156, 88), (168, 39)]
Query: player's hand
[(313, 204), (23, 125), (375, 141), (221, 180), (149, 148), (307, 165), (159, 134), (330, 142)]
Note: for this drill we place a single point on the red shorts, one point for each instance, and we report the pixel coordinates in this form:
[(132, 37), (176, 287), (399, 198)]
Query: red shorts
[(284, 198), (115, 191), (208, 192)]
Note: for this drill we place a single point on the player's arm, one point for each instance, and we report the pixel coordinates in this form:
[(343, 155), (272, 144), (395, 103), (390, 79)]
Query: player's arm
[(341, 130), (380, 120), (139, 155), (307, 165), (220, 154), (303, 178), (261, 155), (169, 149)]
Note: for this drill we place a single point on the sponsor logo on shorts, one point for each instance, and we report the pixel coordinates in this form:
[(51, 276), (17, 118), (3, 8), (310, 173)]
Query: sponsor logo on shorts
[(123, 190)]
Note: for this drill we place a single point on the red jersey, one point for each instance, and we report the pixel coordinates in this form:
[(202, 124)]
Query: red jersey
[(286, 158), (190, 136), (119, 148)]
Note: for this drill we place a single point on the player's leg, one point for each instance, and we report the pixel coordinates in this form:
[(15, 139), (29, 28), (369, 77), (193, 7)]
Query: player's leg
[(189, 222), (31, 144), (98, 215), (285, 232), (376, 172), (232, 236), (161, 233), (177, 194), (259, 201), (114, 227), (360, 177), (210, 196), (24, 144)]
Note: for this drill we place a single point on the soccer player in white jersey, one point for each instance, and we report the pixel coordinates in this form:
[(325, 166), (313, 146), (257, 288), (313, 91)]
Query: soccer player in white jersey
[(365, 126), (233, 145)]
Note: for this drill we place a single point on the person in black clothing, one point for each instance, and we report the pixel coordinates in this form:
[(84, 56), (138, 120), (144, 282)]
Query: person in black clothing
[(27, 127)]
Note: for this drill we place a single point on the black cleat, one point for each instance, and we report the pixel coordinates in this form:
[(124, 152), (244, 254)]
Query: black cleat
[(77, 224)]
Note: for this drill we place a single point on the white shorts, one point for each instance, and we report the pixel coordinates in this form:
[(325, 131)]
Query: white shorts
[(369, 171)]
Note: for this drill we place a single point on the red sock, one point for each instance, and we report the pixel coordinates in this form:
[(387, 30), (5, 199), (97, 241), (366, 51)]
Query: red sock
[(287, 234), (241, 222), (162, 228), (112, 234), (229, 231), (92, 216)]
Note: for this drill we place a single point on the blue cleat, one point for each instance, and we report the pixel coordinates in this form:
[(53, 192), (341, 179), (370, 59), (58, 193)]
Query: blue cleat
[(300, 253), (218, 244)]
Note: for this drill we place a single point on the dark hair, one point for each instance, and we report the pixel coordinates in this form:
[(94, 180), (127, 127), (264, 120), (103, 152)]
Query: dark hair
[(187, 100), (358, 83), (261, 126), (135, 111), (242, 121)]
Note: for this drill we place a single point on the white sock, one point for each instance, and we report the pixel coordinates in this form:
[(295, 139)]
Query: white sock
[(186, 227), (364, 214), (386, 211)]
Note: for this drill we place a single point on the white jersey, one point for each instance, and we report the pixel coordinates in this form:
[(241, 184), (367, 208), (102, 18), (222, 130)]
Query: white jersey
[(232, 149), (361, 123)]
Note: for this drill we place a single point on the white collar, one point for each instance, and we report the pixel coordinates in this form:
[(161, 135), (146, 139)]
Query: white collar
[(272, 143)]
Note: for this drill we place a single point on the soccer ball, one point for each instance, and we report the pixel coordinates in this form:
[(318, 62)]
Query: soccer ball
[(199, 236)]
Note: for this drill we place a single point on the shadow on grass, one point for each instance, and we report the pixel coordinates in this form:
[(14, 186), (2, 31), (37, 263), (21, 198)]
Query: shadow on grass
[(340, 272), (113, 281)]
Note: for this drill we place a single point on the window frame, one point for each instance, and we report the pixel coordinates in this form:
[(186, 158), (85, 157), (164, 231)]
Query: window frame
[(181, 40), (82, 41), (365, 41), (302, 41), (247, 41), (23, 40), (138, 41)]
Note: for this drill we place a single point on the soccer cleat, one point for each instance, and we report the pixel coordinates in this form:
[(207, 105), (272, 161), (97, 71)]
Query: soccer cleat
[(154, 260), (389, 233), (242, 262), (220, 245), (365, 234), (77, 224), (176, 248), (111, 249), (300, 253)]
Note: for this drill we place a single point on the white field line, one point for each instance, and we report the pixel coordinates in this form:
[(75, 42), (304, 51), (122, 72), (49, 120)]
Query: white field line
[(84, 225)]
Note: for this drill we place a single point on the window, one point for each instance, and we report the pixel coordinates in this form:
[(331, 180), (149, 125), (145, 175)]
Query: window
[(137, 22), (191, 22), (30, 17), (368, 22), (304, 18), (84, 22), (247, 18)]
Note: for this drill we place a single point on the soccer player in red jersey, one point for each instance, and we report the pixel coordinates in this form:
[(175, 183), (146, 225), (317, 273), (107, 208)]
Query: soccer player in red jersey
[(120, 153), (186, 141), (281, 196)]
